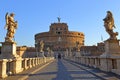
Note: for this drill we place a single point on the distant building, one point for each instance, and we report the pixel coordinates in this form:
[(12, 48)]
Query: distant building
[(93, 50), (59, 38), (26, 52)]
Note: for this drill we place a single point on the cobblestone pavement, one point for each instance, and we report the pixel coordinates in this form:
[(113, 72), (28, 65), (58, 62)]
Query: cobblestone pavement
[(66, 70)]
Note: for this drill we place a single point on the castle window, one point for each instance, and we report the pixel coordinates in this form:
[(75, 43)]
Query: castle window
[(59, 32), (78, 33)]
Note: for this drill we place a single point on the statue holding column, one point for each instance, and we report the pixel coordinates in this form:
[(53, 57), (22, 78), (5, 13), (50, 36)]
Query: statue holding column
[(11, 26), (109, 25)]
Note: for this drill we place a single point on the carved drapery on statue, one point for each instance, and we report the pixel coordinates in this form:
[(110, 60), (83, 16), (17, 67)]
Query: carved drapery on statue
[(109, 25), (41, 46), (11, 27), (77, 46)]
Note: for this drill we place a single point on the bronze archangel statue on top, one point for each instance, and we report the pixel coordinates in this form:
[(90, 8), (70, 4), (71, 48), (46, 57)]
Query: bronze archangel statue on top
[(109, 25), (11, 26)]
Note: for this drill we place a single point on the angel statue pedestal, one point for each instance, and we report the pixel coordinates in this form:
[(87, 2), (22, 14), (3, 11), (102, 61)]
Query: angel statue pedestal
[(112, 51), (8, 50), (112, 48)]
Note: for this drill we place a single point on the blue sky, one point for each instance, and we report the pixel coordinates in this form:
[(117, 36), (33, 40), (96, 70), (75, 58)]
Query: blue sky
[(35, 16)]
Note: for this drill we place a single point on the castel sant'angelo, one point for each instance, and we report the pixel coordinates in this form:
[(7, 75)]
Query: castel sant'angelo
[(59, 37)]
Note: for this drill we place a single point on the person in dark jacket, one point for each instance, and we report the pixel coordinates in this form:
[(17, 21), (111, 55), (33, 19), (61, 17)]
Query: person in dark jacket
[(59, 56)]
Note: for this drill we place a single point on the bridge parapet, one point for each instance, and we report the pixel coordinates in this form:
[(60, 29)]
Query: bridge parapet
[(14, 66), (108, 64)]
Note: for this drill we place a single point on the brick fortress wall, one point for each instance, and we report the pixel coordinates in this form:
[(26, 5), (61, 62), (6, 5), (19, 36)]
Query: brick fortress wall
[(59, 37)]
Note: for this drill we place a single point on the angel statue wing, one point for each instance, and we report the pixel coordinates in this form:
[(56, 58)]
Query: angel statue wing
[(6, 18)]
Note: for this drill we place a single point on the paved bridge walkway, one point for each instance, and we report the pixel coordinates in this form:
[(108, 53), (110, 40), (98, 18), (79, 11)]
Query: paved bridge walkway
[(63, 70)]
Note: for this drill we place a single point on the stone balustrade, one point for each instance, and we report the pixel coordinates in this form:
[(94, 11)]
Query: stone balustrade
[(111, 64), (14, 66)]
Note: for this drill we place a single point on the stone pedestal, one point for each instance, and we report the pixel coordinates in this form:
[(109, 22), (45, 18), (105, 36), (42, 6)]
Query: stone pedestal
[(8, 50), (42, 54), (112, 48)]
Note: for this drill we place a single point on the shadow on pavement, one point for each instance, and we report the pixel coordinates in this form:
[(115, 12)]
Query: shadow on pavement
[(62, 73), (95, 71)]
